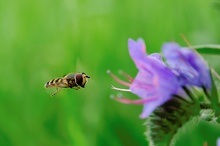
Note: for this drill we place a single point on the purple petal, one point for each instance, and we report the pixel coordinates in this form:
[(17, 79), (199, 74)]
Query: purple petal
[(156, 56), (137, 51), (161, 84), (154, 79), (218, 142), (148, 109), (190, 66)]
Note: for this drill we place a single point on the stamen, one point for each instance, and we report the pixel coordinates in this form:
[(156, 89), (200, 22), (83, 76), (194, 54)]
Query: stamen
[(117, 79), (144, 86), (138, 101), (120, 89), (126, 75)]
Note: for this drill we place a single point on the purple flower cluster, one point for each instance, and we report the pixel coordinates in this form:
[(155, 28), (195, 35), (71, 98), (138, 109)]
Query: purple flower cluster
[(157, 82)]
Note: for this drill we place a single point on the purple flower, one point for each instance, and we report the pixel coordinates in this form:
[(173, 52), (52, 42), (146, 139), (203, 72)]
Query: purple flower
[(189, 66), (218, 142), (155, 83)]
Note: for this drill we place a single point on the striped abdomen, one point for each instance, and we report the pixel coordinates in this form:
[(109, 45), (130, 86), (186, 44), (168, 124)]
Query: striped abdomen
[(58, 82)]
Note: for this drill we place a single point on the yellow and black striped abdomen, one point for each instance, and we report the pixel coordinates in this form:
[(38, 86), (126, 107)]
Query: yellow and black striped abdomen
[(57, 82)]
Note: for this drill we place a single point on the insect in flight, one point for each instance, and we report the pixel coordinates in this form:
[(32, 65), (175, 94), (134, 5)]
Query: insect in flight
[(71, 80)]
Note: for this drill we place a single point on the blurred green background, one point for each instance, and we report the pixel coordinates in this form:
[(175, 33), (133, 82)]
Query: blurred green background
[(44, 39)]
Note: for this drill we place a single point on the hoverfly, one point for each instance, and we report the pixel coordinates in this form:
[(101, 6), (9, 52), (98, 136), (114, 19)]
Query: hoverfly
[(71, 80)]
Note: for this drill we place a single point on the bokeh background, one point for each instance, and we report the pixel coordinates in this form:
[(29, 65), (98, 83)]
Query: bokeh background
[(44, 39)]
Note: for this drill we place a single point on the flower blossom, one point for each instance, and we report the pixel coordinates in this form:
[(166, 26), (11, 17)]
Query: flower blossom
[(189, 66), (155, 83)]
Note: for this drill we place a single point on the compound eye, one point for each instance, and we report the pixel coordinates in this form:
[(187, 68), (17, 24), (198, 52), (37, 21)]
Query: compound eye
[(79, 79)]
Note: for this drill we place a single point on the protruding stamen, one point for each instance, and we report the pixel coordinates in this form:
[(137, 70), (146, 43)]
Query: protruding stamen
[(129, 101), (117, 79), (120, 89), (126, 75)]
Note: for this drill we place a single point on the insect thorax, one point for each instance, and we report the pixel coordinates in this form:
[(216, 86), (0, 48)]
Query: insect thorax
[(71, 82)]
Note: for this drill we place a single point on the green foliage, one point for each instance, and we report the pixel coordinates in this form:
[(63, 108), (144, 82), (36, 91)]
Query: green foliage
[(41, 40), (214, 97), (208, 49), (164, 124)]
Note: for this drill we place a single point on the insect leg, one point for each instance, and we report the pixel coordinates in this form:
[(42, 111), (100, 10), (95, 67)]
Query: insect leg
[(76, 87), (56, 91)]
